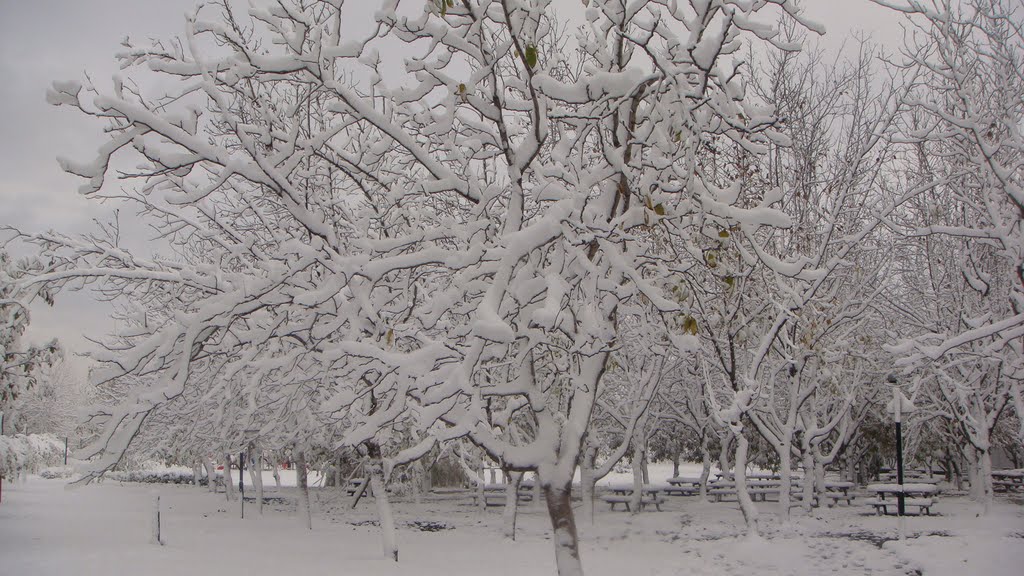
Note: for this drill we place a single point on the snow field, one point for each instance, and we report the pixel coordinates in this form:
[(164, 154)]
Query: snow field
[(104, 530)]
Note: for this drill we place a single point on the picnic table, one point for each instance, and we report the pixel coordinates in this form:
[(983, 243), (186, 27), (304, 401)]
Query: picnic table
[(836, 490), (918, 494), (1006, 480), (494, 494), (682, 486), (757, 489), (623, 494)]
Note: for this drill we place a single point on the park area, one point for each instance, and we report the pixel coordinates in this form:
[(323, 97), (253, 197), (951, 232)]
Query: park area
[(49, 529), (531, 287)]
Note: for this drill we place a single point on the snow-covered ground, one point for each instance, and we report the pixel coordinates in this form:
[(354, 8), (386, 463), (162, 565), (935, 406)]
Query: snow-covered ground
[(104, 530)]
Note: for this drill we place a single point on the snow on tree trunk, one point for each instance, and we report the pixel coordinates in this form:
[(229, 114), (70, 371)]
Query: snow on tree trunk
[(723, 456), (380, 496), (256, 473), (339, 480), (511, 512), (416, 480), (482, 473), (819, 480), (970, 455), (705, 471), (588, 483), (985, 478), (229, 484), (740, 474), (675, 463), (537, 493), (808, 487), (197, 472), (211, 475), (563, 525), (277, 476), (638, 478), (305, 513), (785, 480)]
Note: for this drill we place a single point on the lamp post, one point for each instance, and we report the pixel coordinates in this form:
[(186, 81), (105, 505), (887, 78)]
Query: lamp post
[(898, 406), (241, 481)]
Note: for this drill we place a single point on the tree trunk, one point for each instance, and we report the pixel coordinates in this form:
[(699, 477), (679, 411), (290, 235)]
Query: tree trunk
[(972, 473), (723, 456), (705, 471), (643, 465), (197, 472), (808, 487), (211, 475), (675, 463), (339, 479), (563, 525), (305, 513), (511, 513), (785, 480), (588, 483), (480, 502), (819, 480), (229, 484), (740, 475), (638, 479), (277, 476), (256, 473), (985, 474), (380, 496), (537, 493)]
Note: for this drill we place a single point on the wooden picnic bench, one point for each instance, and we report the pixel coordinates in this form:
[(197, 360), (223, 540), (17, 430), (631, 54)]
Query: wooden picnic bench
[(494, 494), (682, 486), (1007, 480), (917, 495), (626, 500)]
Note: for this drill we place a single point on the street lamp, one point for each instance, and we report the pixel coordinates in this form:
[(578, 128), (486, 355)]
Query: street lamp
[(899, 405)]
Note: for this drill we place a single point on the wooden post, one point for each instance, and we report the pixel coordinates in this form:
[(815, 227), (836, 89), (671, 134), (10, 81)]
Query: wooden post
[(155, 533)]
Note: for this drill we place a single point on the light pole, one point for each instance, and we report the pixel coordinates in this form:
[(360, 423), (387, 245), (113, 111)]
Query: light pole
[(898, 406)]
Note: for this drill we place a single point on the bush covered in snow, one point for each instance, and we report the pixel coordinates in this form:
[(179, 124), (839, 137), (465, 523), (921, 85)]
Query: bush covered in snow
[(155, 477), (57, 472), (24, 454)]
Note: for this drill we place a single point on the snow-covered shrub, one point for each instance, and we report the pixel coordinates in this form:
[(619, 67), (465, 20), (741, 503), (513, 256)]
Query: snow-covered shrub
[(21, 454), (155, 476), (56, 472)]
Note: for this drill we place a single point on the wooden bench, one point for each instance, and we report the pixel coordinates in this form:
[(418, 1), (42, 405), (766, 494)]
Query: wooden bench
[(646, 500), (494, 495), (756, 494), (681, 490), (882, 506), (837, 496)]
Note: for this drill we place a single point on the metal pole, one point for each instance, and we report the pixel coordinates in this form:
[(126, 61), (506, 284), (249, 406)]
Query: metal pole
[(65, 450), (242, 486), (899, 466), (897, 408)]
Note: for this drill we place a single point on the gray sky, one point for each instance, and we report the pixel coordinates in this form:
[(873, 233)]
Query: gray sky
[(46, 40)]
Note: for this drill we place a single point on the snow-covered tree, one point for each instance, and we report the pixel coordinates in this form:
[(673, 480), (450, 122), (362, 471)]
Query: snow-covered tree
[(19, 363), (459, 245)]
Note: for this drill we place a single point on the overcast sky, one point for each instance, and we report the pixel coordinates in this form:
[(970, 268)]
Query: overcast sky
[(46, 40)]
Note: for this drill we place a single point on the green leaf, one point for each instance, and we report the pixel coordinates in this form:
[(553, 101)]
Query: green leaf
[(729, 280), (659, 209), (723, 234), (690, 325), (531, 56)]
